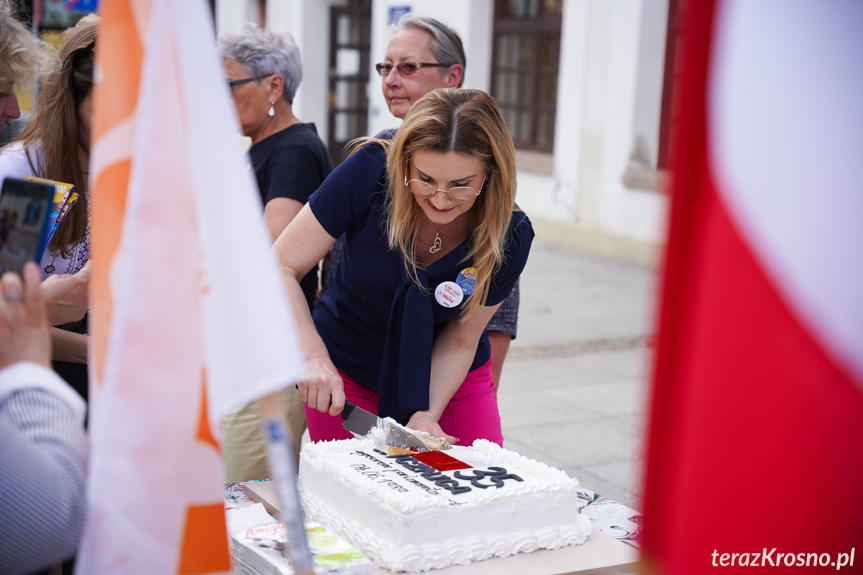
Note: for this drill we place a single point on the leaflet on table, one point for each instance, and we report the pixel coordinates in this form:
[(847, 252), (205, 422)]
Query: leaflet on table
[(65, 197), (258, 551), (235, 495)]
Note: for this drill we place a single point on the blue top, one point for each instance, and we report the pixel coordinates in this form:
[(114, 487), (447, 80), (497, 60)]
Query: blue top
[(378, 325)]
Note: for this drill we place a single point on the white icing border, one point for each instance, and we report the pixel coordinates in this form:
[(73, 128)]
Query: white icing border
[(456, 551)]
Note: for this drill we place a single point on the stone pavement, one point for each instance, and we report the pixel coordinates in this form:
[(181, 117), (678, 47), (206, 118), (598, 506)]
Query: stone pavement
[(574, 386)]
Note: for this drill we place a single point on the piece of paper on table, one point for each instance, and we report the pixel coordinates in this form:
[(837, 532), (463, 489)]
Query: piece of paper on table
[(243, 518)]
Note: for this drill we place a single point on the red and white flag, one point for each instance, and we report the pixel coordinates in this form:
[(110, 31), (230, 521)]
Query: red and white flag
[(189, 316), (755, 454)]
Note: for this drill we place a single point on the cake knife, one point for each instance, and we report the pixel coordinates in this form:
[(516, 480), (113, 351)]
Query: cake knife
[(359, 422)]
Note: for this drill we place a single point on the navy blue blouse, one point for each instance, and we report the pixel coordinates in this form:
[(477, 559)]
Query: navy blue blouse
[(379, 325)]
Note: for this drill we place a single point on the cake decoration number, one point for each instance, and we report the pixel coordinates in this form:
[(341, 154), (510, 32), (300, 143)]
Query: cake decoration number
[(496, 475)]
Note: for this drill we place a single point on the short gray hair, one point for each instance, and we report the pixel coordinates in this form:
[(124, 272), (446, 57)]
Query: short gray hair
[(261, 52), (446, 43)]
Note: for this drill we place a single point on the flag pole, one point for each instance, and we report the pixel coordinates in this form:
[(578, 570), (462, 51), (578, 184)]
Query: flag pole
[(283, 471)]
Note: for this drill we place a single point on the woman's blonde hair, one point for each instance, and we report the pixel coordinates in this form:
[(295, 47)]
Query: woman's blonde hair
[(56, 127), (23, 56), (466, 122)]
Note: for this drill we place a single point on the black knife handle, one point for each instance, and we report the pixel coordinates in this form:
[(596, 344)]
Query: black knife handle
[(349, 407)]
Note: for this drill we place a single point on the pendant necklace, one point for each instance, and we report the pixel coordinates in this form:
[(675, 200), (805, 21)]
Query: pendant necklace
[(437, 245)]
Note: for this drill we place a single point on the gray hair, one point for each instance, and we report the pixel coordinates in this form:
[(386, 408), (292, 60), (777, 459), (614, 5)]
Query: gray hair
[(261, 52), (23, 56), (446, 43)]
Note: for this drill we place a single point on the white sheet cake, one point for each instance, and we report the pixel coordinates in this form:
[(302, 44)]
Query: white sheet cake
[(409, 516)]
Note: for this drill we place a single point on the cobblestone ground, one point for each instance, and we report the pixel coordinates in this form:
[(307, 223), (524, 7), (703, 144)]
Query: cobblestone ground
[(575, 384)]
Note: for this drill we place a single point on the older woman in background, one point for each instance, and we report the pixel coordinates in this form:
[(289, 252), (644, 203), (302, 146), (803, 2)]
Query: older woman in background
[(290, 160), (264, 70)]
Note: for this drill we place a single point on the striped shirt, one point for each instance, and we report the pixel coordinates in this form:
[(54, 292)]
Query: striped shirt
[(43, 457)]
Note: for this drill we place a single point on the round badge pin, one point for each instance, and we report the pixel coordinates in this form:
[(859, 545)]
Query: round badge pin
[(449, 294), (467, 280)]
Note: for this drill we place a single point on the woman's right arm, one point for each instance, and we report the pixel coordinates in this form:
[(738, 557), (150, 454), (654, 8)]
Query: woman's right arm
[(299, 247)]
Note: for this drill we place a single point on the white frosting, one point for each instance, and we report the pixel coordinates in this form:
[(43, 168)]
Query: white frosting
[(407, 523)]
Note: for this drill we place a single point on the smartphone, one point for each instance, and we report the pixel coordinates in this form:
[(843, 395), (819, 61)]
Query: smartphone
[(24, 214)]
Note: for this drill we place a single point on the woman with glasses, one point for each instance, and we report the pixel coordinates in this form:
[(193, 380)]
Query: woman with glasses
[(290, 160), (264, 71), (433, 245), (425, 54)]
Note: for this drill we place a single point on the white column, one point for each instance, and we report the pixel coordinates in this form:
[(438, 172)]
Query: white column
[(379, 114), (232, 14), (308, 21), (476, 26), (569, 119), (651, 71), (286, 17)]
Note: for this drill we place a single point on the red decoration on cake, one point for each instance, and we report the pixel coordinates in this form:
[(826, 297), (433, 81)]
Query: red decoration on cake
[(440, 460)]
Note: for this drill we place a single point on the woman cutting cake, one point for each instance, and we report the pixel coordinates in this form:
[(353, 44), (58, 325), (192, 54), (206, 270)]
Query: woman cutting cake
[(433, 245)]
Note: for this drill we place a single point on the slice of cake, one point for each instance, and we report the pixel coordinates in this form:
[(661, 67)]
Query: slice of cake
[(390, 436), (415, 512)]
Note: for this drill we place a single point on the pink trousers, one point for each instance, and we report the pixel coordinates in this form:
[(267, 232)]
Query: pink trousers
[(471, 413)]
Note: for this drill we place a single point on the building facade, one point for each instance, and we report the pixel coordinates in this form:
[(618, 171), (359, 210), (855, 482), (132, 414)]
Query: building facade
[(586, 87)]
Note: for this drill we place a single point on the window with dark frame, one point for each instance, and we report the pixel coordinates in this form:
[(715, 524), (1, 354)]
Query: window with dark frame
[(350, 49), (525, 63)]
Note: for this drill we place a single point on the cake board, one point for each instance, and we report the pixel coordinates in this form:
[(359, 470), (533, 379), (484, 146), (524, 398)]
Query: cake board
[(601, 554)]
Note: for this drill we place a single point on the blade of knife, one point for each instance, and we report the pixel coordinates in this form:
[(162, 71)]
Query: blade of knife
[(359, 422)]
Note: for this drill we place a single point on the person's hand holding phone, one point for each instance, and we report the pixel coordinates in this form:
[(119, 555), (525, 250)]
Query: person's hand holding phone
[(23, 323)]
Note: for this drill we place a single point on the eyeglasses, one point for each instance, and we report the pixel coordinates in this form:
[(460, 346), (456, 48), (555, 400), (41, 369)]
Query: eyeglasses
[(458, 193), (233, 83), (406, 68)]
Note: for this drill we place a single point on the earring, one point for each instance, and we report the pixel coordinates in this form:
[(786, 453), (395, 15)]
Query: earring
[(271, 111)]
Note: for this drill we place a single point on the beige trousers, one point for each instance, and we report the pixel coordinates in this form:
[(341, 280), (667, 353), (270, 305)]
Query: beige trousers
[(243, 444)]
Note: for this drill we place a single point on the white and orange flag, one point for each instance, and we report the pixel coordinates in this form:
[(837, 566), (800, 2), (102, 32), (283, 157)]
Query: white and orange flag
[(189, 315)]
